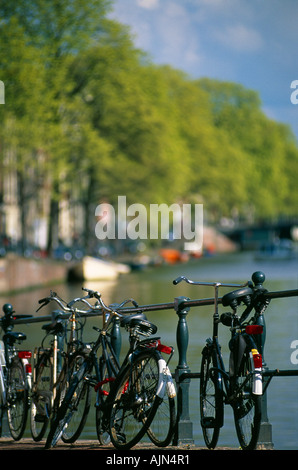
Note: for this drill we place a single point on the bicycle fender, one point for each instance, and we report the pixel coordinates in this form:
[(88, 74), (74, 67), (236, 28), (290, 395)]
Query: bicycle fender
[(237, 347), (257, 388), (28, 372), (165, 381)]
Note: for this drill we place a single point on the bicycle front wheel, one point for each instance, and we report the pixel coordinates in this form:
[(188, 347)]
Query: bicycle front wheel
[(247, 406), (135, 401), (77, 422), (67, 407), (17, 399), (42, 395), (162, 427), (211, 401)]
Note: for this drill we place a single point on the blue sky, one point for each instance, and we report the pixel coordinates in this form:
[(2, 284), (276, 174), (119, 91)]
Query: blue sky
[(252, 42)]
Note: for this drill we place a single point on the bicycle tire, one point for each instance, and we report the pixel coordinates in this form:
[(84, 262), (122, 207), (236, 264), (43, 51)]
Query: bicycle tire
[(247, 407), (135, 400), (79, 418), (66, 408), (211, 399), (17, 399), (42, 392)]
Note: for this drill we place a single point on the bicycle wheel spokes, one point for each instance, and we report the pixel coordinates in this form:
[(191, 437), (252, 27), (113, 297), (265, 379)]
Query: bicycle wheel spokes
[(80, 403), (162, 428), (211, 402), (133, 408), (247, 407), (63, 417), (78, 415), (68, 407), (17, 400), (41, 401)]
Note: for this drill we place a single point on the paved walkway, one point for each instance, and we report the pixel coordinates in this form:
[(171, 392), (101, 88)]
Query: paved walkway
[(7, 443)]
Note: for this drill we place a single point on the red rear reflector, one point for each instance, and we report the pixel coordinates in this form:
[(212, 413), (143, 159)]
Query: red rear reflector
[(254, 329), (257, 361), (164, 349), (28, 369), (24, 354)]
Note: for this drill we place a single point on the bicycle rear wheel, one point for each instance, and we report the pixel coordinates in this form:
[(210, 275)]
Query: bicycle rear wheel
[(134, 401), (211, 401), (17, 399), (41, 401), (247, 406)]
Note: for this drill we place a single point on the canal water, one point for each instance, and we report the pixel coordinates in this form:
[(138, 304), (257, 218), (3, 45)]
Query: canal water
[(154, 285)]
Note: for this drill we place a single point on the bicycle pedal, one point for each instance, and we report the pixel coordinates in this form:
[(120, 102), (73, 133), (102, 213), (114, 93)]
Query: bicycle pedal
[(208, 422), (40, 418)]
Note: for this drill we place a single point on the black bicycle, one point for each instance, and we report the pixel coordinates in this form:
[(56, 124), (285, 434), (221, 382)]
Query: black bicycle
[(55, 361), (241, 386), (128, 396)]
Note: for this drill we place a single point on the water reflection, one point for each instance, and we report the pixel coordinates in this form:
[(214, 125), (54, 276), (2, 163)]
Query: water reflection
[(155, 286)]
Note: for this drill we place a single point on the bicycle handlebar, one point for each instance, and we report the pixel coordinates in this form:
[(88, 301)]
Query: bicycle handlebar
[(112, 308), (68, 307), (250, 293), (201, 283)]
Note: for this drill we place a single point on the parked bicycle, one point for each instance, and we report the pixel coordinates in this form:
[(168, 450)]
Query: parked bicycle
[(128, 396), (240, 386), (15, 375), (54, 365)]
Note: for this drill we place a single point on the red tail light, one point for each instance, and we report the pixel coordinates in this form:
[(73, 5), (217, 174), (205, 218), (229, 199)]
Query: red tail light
[(257, 360), (164, 349), (254, 329), (24, 354)]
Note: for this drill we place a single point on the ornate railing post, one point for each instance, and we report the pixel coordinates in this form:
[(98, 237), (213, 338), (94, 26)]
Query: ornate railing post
[(184, 428), (265, 436)]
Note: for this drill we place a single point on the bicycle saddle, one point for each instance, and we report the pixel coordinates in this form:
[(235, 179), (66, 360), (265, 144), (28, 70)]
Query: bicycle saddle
[(55, 327), (236, 295), (139, 320), (12, 336), (131, 320)]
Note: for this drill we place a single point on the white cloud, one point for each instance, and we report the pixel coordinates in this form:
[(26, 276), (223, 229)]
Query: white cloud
[(148, 4), (240, 37)]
